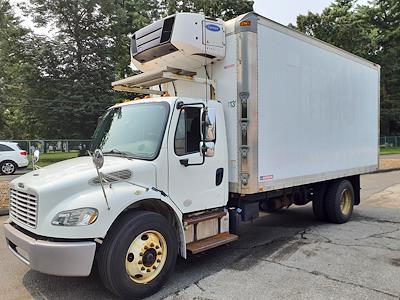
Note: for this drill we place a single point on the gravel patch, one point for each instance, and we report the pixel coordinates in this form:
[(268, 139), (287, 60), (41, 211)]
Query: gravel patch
[(389, 163), (4, 190)]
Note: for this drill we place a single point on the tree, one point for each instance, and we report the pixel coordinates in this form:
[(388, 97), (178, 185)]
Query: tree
[(15, 72), (225, 10), (75, 65)]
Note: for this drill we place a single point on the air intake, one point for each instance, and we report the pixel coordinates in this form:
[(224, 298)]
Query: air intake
[(114, 177)]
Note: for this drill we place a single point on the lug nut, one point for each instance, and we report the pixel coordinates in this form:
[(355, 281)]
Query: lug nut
[(148, 270), (141, 253), (151, 245), (159, 253), (145, 247), (140, 262), (157, 247), (158, 260), (142, 268), (154, 267), (130, 257)]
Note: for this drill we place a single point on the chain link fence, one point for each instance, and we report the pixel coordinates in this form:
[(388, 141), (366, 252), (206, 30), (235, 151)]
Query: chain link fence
[(389, 141), (53, 146)]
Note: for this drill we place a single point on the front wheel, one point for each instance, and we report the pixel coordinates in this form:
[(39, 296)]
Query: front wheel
[(8, 168), (138, 255)]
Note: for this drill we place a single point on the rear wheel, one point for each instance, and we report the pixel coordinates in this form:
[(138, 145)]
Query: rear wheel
[(339, 201), (138, 255), (8, 167), (318, 203)]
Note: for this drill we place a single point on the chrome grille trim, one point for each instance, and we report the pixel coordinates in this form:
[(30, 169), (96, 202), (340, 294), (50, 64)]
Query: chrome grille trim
[(23, 207)]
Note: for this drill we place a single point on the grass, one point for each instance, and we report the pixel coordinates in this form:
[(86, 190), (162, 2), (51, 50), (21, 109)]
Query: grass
[(46, 159), (390, 150)]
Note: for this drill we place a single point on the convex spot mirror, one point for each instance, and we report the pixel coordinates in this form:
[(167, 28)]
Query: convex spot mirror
[(208, 123), (36, 155), (209, 150), (98, 158)]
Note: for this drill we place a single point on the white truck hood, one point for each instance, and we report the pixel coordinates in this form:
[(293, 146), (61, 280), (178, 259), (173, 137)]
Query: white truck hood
[(81, 170), (74, 184)]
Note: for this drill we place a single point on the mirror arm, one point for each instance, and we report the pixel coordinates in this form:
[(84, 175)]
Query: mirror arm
[(101, 178), (185, 162)]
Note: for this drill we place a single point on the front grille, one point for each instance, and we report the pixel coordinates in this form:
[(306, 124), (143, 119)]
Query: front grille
[(23, 207)]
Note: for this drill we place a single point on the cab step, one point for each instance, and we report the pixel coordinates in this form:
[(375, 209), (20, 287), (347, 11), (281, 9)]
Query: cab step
[(204, 217), (211, 242)]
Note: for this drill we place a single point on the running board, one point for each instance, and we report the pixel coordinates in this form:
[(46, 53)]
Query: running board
[(203, 217), (211, 242)]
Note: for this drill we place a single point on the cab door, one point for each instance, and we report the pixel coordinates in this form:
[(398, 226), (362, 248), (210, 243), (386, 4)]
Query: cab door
[(198, 185)]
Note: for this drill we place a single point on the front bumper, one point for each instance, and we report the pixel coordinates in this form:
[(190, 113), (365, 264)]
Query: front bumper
[(54, 258)]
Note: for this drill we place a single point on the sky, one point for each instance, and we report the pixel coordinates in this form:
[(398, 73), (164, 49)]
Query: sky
[(281, 11)]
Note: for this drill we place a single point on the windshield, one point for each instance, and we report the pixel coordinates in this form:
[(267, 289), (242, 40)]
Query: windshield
[(132, 130)]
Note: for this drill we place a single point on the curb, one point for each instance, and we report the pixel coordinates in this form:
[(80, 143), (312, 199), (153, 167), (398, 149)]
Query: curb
[(3, 211), (385, 170)]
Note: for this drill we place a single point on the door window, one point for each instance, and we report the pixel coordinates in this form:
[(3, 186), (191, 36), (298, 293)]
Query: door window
[(187, 135), (4, 148)]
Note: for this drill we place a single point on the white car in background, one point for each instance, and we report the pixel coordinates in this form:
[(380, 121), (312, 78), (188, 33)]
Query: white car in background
[(12, 157)]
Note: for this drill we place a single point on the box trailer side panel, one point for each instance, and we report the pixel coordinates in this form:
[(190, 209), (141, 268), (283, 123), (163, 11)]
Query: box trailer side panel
[(318, 111)]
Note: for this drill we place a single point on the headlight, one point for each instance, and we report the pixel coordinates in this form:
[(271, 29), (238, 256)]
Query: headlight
[(76, 217)]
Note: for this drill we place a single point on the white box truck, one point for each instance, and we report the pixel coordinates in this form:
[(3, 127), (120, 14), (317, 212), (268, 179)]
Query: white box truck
[(242, 117)]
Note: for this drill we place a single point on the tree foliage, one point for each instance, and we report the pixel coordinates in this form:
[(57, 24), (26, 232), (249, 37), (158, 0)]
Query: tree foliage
[(15, 73), (370, 31)]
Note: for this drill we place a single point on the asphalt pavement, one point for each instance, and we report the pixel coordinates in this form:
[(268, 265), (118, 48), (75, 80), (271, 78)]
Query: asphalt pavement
[(282, 255), (15, 175)]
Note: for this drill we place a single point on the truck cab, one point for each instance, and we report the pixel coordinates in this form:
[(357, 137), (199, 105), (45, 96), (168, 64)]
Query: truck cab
[(160, 155)]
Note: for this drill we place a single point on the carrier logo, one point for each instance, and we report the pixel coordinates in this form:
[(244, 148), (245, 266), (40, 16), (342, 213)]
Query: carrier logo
[(213, 27)]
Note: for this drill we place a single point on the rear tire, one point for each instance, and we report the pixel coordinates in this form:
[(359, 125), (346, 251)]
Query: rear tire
[(339, 201), (138, 255), (8, 167), (318, 203)]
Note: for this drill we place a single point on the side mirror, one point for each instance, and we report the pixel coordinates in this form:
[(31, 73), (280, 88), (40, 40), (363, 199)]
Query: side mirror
[(209, 118), (98, 159), (209, 149)]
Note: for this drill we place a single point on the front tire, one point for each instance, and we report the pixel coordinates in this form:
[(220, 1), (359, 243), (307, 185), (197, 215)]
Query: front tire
[(138, 255), (339, 201), (8, 167)]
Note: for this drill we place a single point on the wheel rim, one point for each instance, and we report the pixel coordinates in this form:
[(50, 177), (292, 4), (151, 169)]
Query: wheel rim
[(345, 201), (8, 168), (146, 256)]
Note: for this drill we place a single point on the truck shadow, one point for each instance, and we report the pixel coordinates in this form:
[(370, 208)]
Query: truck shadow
[(258, 239)]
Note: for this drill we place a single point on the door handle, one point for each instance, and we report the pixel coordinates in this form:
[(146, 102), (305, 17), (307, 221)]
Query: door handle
[(219, 176)]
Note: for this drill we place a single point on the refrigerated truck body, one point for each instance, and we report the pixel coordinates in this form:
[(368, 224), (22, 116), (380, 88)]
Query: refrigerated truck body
[(245, 116)]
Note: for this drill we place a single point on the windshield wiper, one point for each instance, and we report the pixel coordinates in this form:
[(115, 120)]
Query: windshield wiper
[(116, 151)]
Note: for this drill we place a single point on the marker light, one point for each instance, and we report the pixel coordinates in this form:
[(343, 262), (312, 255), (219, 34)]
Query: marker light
[(245, 23)]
